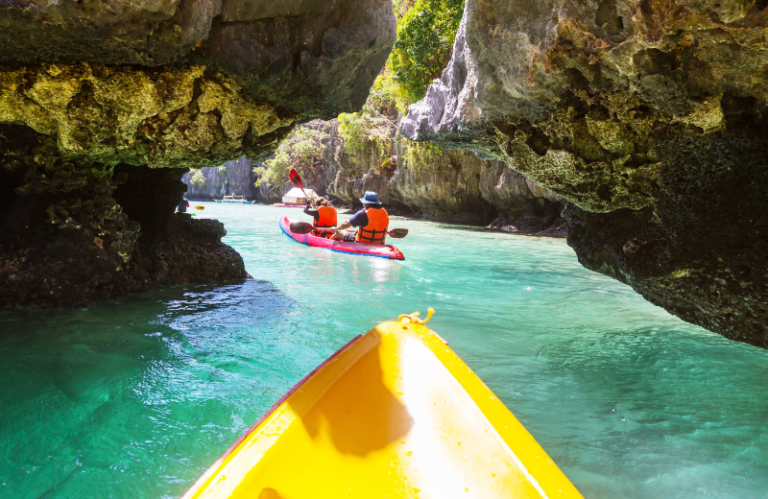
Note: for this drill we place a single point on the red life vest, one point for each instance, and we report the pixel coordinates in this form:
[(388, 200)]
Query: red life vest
[(376, 230), (326, 218)]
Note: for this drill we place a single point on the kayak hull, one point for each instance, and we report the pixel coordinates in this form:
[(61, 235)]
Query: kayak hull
[(394, 413), (377, 250)]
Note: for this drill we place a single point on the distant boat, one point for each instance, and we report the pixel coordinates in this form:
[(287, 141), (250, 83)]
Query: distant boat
[(289, 205), (233, 199)]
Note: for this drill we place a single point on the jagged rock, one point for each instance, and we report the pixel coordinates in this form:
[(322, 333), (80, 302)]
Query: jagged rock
[(630, 111), (101, 241)]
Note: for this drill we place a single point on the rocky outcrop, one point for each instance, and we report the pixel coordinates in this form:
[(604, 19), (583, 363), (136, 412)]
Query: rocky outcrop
[(90, 91), (101, 240), (648, 117)]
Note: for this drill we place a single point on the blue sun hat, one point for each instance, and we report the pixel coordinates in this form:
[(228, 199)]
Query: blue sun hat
[(370, 198)]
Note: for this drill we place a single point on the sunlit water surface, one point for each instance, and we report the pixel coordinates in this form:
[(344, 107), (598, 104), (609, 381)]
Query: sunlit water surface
[(136, 398)]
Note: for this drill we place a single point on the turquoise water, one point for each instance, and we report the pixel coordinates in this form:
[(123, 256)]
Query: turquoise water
[(136, 398)]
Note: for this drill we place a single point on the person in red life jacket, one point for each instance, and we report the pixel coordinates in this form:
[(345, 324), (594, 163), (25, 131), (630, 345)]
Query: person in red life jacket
[(325, 217), (372, 223)]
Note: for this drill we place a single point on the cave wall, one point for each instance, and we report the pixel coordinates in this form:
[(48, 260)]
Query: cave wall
[(648, 117), (92, 238)]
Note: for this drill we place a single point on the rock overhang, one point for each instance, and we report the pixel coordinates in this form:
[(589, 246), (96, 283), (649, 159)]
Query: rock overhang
[(634, 112), (105, 104), (274, 63)]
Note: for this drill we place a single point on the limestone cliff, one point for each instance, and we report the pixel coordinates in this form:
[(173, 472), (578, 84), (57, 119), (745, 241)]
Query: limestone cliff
[(233, 177), (448, 186), (649, 117), (439, 184), (97, 99)]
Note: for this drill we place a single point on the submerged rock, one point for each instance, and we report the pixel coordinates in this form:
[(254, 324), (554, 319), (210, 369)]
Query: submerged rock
[(649, 118), (92, 94)]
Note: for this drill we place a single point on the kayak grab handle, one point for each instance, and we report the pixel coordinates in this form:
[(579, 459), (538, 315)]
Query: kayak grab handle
[(414, 317)]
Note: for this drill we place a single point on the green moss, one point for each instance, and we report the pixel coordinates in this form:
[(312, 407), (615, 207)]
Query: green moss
[(111, 115)]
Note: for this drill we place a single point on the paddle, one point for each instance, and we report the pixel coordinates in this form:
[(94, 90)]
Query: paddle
[(306, 228), (296, 180)]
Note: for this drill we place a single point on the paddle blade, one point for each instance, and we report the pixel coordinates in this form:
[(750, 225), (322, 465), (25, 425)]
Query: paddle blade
[(295, 178), (301, 227), (199, 207), (398, 233)]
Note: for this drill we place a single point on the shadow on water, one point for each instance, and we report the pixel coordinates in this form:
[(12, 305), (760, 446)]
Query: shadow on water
[(358, 411)]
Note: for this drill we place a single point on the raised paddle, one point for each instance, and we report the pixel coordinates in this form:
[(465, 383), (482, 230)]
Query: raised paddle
[(296, 180), (306, 228)]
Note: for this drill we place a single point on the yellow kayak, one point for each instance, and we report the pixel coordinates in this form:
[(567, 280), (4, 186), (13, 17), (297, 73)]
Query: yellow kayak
[(393, 414)]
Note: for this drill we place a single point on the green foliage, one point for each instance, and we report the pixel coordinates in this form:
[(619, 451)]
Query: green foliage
[(222, 170), (426, 31), (302, 149), (418, 156), (197, 178), (425, 36)]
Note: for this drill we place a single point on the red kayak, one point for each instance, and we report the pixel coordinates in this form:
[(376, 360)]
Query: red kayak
[(382, 251)]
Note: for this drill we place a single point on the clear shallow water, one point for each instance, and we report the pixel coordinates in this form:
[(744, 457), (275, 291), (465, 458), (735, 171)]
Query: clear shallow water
[(136, 398)]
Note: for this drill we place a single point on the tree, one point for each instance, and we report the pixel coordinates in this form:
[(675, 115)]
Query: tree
[(197, 179), (302, 149), (425, 36)]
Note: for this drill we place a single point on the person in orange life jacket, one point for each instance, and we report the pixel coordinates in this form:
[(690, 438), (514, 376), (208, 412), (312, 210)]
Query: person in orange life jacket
[(372, 223), (324, 217)]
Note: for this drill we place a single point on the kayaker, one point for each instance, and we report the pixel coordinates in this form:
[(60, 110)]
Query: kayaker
[(183, 205), (325, 217), (372, 223)]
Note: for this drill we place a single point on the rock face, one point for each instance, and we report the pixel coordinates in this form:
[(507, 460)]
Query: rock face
[(101, 241), (233, 177), (443, 185), (92, 93), (649, 117)]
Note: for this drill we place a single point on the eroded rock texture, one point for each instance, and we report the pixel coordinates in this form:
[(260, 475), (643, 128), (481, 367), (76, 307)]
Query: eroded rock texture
[(94, 96), (648, 117), (85, 235)]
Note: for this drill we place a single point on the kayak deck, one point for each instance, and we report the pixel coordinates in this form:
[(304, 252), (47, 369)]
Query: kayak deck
[(378, 250), (395, 413)]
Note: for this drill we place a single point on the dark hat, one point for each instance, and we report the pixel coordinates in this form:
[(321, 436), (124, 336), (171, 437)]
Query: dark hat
[(370, 198)]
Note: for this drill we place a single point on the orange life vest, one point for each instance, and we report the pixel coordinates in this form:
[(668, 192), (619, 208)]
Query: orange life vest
[(326, 218), (376, 230)]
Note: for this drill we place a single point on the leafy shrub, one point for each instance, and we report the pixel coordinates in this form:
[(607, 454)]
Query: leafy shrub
[(425, 36), (302, 149), (197, 179)]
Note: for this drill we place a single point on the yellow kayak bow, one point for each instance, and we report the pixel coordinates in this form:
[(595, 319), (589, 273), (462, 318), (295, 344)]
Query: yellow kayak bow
[(393, 414)]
